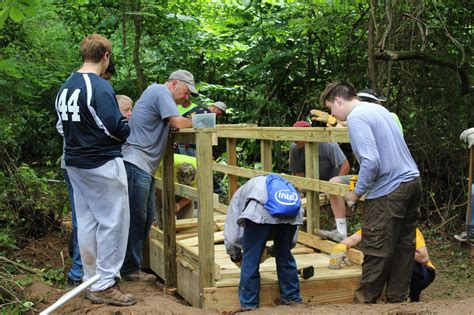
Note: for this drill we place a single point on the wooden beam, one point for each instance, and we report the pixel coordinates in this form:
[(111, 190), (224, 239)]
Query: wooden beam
[(169, 210), (232, 160), (312, 171), (313, 292), (355, 256), (300, 182), (266, 155), (205, 205), (287, 134), (193, 222), (185, 136)]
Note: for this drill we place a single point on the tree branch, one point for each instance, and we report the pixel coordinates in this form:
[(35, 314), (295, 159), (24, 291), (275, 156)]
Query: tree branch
[(459, 69)]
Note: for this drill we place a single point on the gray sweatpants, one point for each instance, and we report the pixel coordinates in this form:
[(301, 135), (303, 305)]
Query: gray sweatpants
[(103, 219)]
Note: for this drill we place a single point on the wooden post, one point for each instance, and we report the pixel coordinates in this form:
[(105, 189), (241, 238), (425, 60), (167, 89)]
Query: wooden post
[(169, 214), (266, 155), (231, 160), (311, 153), (205, 205)]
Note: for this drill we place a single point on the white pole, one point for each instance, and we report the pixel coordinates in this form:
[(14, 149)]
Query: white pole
[(71, 294)]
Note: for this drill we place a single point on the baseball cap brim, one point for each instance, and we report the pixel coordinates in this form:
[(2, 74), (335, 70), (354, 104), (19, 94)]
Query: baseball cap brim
[(192, 89), (372, 97)]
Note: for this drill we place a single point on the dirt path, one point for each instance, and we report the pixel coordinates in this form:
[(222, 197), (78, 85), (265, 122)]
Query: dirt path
[(452, 292)]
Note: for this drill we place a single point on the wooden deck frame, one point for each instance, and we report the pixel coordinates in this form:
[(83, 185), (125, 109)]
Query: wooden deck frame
[(190, 264)]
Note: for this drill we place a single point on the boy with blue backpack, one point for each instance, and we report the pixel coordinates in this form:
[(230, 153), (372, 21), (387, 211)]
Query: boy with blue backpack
[(264, 207)]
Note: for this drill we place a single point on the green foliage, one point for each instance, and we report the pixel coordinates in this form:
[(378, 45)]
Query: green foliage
[(16, 10), (6, 240), (268, 60), (54, 276)]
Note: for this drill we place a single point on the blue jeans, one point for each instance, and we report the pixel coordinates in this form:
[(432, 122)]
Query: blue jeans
[(421, 278), (76, 272), (254, 240), (141, 194)]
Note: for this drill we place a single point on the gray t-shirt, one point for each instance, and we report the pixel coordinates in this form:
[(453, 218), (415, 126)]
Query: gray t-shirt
[(149, 128), (330, 159)]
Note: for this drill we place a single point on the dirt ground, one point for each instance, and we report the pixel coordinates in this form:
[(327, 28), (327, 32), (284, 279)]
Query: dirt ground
[(452, 292)]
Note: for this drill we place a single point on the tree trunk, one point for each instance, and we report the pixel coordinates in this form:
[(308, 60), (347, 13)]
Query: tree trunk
[(137, 21), (372, 66)]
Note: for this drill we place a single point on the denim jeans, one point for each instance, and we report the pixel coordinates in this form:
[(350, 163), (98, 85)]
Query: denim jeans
[(141, 194), (254, 240), (76, 272)]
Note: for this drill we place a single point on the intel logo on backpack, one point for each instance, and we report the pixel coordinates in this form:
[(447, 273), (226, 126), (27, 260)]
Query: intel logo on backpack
[(283, 199)]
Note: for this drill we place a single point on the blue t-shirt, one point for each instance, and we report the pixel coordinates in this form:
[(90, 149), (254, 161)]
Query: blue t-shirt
[(149, 128), (378, 144), (90, 120)]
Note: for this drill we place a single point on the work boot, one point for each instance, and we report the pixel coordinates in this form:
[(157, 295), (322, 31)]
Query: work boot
[(112, 296), (139, 276), (71, 283), (333, 235)]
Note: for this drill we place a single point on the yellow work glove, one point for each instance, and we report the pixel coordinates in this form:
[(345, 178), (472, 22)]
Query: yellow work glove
[(266, 254), (338, 254), (319, 115)]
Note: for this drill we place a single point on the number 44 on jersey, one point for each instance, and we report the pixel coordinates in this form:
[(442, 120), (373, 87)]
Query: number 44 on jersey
[(64, 106)]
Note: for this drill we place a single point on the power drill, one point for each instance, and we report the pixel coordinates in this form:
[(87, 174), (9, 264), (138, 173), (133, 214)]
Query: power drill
[(352, 184)]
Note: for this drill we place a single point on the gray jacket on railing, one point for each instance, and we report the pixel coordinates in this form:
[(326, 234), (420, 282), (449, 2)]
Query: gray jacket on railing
[(247, 204)]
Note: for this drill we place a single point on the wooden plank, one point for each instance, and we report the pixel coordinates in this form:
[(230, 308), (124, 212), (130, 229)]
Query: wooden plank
[(169, 210), (205, 205), (313, 292), (220, 207), (185, 136), (355, 256), (266, 155), (300, 182), (286, 134), (157, 258), (156, 234), (232, 160), (188, 283), (217, 237), (192, 222)]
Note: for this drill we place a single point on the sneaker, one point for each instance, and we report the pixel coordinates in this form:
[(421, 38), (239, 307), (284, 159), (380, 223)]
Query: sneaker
[(71, 283), (112, 296), (333, 235), (139, 276), (461, 237)]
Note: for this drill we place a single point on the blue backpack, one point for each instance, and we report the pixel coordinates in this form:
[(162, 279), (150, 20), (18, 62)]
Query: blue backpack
[(283, 199)]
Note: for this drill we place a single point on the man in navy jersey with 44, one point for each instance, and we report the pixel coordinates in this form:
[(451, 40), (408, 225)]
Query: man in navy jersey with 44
[(94, 130)]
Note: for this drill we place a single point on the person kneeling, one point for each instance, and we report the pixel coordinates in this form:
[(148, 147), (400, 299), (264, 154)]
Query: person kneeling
[(423, 272)]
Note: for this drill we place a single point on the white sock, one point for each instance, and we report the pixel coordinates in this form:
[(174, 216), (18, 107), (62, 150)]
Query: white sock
[(341, 226)]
